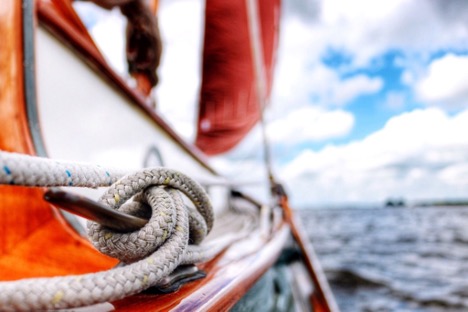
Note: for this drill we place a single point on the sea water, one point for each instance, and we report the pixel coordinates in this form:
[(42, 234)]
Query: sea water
[(393, 259)]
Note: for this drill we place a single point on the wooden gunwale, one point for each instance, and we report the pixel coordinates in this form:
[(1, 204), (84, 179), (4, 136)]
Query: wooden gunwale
[(322, 298), (227, 280)]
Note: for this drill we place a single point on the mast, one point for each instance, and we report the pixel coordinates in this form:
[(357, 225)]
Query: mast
[(260, 81)]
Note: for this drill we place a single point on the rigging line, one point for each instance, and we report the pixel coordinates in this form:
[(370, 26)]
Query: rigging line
[(260, 80)]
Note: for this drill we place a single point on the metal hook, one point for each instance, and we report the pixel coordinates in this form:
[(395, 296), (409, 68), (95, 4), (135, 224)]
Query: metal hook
[(94, 211)]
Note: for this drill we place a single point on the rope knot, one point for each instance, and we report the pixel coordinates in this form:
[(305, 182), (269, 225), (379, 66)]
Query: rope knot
[(155, 197)]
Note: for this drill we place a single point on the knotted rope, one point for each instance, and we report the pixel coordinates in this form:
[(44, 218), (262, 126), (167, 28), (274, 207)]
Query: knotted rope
[(150, 253)]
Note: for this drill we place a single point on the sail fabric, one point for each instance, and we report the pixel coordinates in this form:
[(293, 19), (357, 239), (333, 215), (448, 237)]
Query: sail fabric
[(229, 105)]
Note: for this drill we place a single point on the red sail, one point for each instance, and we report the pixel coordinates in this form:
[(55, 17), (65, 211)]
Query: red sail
[(229, 105)]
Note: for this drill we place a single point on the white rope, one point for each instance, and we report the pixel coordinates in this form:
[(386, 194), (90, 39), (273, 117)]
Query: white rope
[(19, 169), (151, 253)]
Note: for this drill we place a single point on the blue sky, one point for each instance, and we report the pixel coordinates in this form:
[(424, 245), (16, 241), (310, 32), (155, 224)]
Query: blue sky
[(370, 110), (369, 102)]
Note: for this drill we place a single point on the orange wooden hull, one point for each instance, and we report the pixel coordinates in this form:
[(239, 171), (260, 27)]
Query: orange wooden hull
[(34, 238)]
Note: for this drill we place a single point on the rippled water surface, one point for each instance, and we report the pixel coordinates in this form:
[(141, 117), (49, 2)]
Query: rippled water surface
[(395, 259)]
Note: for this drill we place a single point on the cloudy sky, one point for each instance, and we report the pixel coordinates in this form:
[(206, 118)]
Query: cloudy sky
[(370, 98)]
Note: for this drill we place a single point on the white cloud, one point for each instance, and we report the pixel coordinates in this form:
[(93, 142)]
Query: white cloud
[(395, 100), (89, 12), (297, 55), (422, 154), (181, 25), (445, 83), (107, 29), (310, 124), (334, 11), (407, 78), (366, 29), (301, 77), (349, 89), (177, 94)]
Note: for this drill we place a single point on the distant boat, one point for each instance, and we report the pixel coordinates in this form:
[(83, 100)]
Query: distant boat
[(395, 202), (59, 99)]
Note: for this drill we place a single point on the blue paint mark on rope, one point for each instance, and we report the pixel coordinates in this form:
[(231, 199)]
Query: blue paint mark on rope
[(110, 179), (8, 172), (70, 183)]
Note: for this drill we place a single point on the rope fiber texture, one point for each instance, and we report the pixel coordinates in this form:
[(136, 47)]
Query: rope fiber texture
[(150, 254)]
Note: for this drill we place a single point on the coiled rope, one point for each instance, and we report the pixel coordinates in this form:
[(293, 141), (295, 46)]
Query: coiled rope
[(150, 253)]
